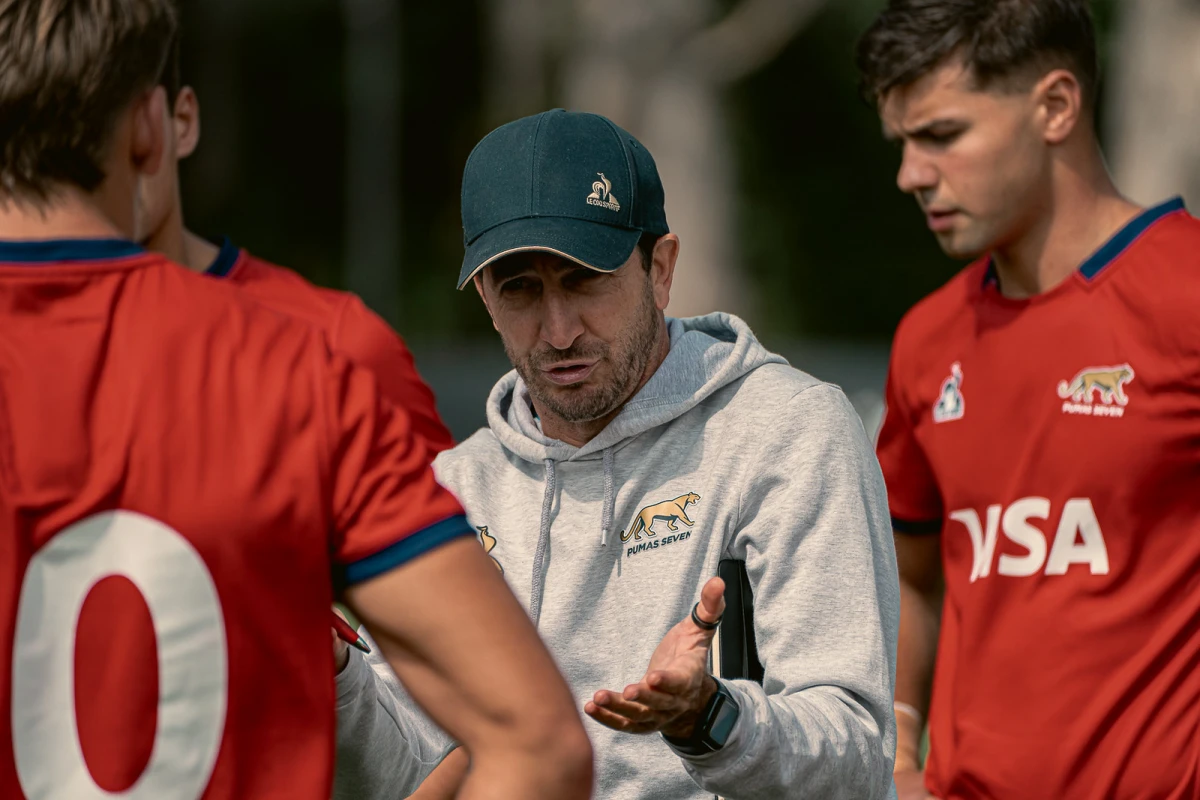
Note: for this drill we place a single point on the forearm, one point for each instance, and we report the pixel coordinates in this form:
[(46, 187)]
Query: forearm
[(820, 742), (385, 746), (447, 779), (454, 634), (504, 773), (916, 654)]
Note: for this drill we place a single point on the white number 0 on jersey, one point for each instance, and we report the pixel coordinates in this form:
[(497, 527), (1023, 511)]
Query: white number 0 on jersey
[(189, 632)]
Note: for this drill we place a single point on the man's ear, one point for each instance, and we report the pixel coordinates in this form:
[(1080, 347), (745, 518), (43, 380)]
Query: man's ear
[(147, 144), (478, 281), (186, 116), (1060, 105), (662, 268)]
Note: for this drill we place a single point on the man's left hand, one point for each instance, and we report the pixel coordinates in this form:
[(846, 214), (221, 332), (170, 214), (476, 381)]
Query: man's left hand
[(677, 685)]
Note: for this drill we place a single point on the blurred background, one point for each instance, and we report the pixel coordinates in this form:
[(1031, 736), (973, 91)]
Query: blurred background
[(335, 131)]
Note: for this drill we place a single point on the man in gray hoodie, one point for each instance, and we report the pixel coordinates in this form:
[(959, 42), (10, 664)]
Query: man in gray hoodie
[(626, 456)]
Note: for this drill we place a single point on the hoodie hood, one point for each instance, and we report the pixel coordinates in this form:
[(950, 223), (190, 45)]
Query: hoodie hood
[(707, 353)]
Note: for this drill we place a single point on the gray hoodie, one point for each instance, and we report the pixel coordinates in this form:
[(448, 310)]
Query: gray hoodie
[(726, 452)]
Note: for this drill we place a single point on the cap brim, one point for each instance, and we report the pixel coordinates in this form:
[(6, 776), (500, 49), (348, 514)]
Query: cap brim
[(603, 248)]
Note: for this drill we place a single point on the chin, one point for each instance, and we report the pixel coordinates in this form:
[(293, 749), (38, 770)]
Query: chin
[(960, 247)]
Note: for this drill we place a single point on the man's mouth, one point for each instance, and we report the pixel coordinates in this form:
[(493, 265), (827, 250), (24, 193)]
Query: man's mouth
[(940, 220), (566, 373)]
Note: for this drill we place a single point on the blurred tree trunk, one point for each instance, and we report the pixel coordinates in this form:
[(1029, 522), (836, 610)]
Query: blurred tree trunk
[(1154, 112), (657, 68), (372, 227)]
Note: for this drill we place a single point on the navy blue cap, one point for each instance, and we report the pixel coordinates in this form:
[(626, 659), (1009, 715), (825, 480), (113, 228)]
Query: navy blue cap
[(563, 182)]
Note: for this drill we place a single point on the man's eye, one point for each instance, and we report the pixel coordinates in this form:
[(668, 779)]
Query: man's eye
[(515, 285), (942, 138)]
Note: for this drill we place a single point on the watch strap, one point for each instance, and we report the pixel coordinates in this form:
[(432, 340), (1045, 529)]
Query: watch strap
[(702, 740)]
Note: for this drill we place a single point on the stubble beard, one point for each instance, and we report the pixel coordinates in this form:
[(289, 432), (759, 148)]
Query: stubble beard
[(626, 358)]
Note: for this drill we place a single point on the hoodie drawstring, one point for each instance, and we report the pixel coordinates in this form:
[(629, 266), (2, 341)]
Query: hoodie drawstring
[(539, 555), (606, 516)]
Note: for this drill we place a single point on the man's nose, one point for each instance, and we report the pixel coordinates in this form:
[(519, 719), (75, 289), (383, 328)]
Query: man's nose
[(561, 323), (916, 172)]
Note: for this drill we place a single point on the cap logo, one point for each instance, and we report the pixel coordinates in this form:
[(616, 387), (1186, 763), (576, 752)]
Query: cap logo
[(602, 194)]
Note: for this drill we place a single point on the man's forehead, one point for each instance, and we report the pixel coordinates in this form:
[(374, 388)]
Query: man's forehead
[(939, 93)]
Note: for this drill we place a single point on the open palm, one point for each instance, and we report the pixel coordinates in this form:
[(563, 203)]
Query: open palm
[(677, 685)]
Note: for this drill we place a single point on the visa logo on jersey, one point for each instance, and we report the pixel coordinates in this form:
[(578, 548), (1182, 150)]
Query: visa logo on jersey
[(1077, 539)]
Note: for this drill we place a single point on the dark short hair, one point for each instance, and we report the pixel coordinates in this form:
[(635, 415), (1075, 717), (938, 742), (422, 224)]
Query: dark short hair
[(68, 68), (1004, 43), (645, 246)]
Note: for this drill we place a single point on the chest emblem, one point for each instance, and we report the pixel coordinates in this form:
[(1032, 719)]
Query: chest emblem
[(489, 544), (950, 404), (670, 510), (1108, 383)]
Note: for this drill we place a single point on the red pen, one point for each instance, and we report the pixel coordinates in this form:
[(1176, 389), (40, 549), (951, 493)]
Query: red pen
[(348, 634)]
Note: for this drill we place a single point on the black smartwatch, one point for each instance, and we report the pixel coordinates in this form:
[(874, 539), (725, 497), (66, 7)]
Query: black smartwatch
[(714, 726)]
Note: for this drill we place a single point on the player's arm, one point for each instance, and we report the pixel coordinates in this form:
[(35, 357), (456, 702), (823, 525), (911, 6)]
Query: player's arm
[(921, 589), (444, 782), (370, 342), (441, 614), (915, 506)]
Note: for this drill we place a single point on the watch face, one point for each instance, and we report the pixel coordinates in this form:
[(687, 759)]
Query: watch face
[(722, 724)]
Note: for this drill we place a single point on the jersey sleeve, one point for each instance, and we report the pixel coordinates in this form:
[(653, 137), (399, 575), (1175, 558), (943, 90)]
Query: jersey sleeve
[(913, 497), (387, 506), (369, 341)]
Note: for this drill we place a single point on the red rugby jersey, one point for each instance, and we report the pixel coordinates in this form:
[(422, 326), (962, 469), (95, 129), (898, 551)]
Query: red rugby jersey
[(352, 329), (1054, 443), (185, 479)]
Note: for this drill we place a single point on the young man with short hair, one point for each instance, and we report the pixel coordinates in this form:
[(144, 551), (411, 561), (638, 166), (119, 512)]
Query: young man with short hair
[(186, 479), (353, 330), (1042, 436), (628, 455)]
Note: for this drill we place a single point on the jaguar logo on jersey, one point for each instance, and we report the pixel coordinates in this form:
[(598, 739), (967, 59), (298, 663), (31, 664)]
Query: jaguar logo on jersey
[(672, 511), (1108, 382), (1077, 538), (602, 194), (489, 544), (950, 404)]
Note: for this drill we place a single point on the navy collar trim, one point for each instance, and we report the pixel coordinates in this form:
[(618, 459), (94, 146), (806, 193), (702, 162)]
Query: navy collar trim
[(1119, 243), (55, 251), (1114, 247), (226, 259)]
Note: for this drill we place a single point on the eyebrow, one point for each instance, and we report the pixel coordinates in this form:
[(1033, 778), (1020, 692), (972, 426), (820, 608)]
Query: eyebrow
[(509, 268), (922, 130)]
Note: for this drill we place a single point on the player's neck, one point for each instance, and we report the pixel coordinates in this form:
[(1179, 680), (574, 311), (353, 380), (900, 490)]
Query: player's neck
[(71, 215), (198, 253), (1084, 212), (180, 245)]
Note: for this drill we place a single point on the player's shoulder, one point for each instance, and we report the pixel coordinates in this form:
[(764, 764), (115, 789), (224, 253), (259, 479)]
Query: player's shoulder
[(288, 291), (351, 326), (187, 302), (1157, 275), (946, 305), (1169, 248), (940, 319)]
